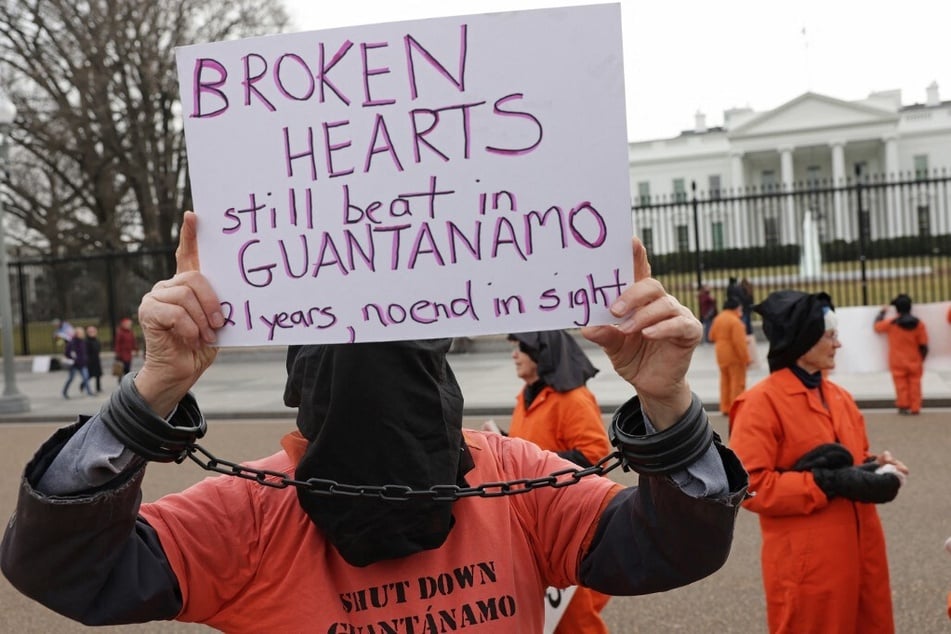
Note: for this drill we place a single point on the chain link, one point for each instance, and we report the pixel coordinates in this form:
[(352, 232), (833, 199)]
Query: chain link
[(398, 492)]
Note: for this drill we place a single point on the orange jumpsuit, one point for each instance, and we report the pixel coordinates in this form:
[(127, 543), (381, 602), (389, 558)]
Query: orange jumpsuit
[(905, 360), (561, 421), (728, 334), (823, 561)]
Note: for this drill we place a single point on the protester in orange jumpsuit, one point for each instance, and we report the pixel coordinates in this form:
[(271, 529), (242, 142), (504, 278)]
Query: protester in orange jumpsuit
[(556, 411), (814, 482), (728, 334), (907, 349)]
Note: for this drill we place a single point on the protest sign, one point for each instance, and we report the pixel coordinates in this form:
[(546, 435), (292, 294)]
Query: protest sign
[(444, 177)]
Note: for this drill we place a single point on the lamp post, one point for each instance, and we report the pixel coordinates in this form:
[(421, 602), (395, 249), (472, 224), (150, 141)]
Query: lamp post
[(12, 401)]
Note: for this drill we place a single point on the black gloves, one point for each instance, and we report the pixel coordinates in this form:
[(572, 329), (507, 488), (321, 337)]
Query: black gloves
[(858, 484), (831, 455)]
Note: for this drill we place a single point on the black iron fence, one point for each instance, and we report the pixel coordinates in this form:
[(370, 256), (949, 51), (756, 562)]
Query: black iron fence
[(96, 289), (863, 240)]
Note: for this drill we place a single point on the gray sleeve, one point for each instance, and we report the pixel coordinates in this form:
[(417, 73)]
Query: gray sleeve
[(705, 478), (90, 459)]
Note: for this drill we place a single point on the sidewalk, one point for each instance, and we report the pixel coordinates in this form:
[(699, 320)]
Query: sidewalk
[(249, 383)]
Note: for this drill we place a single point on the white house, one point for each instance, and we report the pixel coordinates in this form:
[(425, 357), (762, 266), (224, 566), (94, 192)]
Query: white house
[(811, 139)]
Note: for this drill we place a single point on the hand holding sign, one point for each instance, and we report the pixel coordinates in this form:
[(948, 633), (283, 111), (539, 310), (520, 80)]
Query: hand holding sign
[(178, 318), (652, 345)]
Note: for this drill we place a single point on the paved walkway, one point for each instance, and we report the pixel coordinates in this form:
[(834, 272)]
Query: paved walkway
[(249, 383)]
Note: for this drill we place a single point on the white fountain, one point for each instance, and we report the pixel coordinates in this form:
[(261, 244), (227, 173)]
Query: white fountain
[(810, 259)]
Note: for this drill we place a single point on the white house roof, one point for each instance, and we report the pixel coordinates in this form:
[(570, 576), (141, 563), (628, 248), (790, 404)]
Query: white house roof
[(812, 111)]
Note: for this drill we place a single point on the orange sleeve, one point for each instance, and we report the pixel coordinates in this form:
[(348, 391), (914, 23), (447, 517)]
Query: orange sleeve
[(755, 437), (583, 427), (882, 325), (739, 343)]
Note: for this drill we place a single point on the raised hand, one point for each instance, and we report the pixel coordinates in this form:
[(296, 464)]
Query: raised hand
[(652, 344), (178, 317)]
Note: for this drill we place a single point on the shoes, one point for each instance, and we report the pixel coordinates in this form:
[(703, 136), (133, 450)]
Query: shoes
[(903, 411)]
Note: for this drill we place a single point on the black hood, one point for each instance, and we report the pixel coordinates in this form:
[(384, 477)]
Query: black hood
[(377, 414)]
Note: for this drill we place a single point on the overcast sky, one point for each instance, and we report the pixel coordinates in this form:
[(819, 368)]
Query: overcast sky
[(684, 56)]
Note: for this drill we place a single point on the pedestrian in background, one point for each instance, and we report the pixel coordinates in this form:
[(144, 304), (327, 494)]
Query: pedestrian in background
[(76, 352), (813, 480), (746, 301), (94, 360), (707, 309), (556, 411), (907, 349), (124, 344), (728, 335)]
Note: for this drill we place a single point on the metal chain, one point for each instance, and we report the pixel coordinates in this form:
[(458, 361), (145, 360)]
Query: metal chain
[(398, 492)]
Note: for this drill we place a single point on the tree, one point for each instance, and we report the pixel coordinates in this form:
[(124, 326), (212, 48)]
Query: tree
[(99, 159)]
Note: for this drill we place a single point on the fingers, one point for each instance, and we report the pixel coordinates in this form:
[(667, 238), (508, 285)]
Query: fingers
[(642, 268), (186, 305), (186, 256)]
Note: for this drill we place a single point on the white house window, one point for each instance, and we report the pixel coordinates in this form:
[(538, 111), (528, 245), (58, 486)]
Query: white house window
[(680, 191), (921, 167), (924, 220), (715, 186), (683, 238), (768, 180), (644, 193), (771, 231), (647, 238), (716, 235)]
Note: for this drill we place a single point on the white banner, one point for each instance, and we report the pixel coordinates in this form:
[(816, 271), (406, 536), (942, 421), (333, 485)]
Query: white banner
[(556, 602), (445, 177), (864, 350)]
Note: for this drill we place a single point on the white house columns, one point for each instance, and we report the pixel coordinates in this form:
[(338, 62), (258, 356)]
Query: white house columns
[(842, 227), (790, 226), (739, 212), (893, 200)]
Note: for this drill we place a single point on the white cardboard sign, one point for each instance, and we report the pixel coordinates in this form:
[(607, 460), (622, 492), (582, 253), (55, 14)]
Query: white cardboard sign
[(444, 177)]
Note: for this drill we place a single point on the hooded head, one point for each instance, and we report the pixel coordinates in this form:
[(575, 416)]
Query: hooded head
[(731, 303), (902, 304), (562, 363), (793, 323), (377, 414)]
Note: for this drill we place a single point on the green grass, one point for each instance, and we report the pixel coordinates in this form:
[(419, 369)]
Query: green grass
[(924, 288)]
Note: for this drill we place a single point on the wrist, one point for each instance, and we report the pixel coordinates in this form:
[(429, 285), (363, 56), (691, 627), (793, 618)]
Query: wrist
[(667, 410), (158, 393)]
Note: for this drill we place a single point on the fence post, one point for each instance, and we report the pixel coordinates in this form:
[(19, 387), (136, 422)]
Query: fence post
[(863, 227), (696, 232), (24, 325)]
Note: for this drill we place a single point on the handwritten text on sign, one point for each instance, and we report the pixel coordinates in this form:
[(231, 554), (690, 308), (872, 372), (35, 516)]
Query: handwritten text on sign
[(445, 177)]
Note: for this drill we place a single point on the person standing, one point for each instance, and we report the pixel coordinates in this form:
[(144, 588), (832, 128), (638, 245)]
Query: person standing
[(707, 308), (124, 344), (907, 349), (813, 480), (77, 353), (556, 411), (93, 353), (746, 301), (728, 335)]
